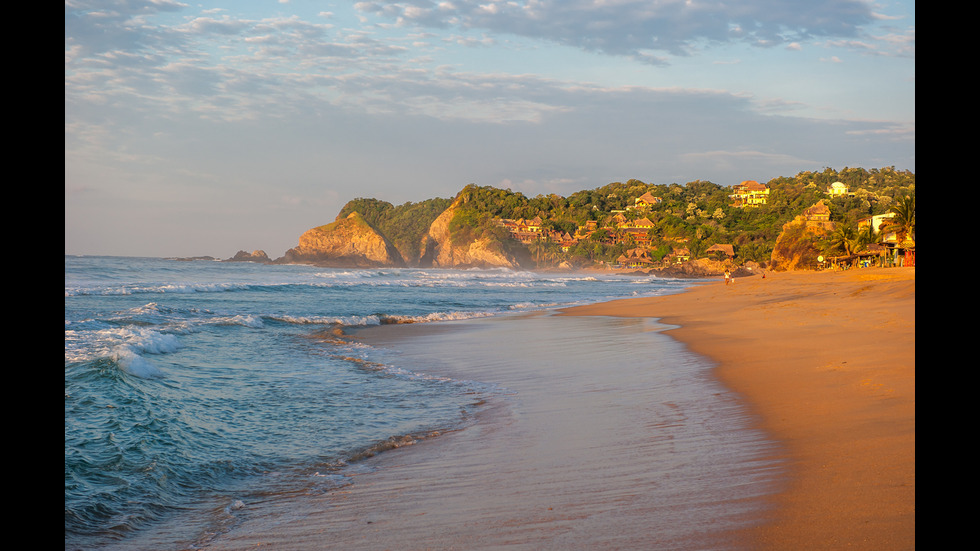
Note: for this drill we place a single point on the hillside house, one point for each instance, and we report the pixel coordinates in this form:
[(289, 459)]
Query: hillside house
[(567, 242), (523, 230), (818, 216), (838, 189), (534, 225), (583, 232), (646, 201), (749, 194), (643, 223), (639, 230)]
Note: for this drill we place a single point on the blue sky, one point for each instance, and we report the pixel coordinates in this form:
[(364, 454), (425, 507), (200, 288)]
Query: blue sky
[(204, 128)]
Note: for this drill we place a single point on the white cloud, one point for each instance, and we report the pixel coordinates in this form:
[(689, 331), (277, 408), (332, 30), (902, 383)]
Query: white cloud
[(180, 119)]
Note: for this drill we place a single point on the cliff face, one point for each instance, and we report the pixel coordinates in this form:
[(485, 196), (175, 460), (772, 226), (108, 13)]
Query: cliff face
[(347, 242), (354, 242), (439, 251)]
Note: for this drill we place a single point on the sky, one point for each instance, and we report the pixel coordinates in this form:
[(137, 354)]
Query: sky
[(205, 128)]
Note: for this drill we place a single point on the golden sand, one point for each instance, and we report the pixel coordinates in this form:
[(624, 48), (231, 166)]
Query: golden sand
[(827, 361)]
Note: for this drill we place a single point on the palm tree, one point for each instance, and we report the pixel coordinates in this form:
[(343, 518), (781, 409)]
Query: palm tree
[(904, 219), (869, 235), (846, 239)]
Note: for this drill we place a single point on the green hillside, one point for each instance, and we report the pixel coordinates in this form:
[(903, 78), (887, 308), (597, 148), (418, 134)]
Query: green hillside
[(602, 224)]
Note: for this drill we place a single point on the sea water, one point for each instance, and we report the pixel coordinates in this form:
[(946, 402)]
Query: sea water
[(195, 387)]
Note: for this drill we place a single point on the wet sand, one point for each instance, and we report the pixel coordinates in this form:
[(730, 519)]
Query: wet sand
[(827, 361), (807, 441), (597, 433)]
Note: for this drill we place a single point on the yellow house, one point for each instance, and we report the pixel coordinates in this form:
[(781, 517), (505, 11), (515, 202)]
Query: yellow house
[(646, 200), (749, 194), (642, 223), (837, 189)]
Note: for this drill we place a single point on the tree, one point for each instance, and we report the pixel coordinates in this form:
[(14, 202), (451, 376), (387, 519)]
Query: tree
[(904, 219), (845, 238), (869, 235)]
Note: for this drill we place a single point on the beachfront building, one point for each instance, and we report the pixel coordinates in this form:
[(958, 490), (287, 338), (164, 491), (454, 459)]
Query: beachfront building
[(678, 255), (749, 194), (635, 258), (876, 222)]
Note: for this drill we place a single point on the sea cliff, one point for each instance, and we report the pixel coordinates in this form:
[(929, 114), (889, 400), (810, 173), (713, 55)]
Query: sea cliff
[(346, 242), (353, 241), (440, 250)]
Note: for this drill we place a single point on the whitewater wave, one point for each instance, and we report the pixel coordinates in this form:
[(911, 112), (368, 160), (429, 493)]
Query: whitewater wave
[(125, 346), (156, 289)]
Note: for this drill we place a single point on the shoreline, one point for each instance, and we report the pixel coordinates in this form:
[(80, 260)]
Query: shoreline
[(597, 433), (827, 362), (821, 364)]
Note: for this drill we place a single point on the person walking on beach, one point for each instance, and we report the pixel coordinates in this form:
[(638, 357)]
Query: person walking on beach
[(728, 277)]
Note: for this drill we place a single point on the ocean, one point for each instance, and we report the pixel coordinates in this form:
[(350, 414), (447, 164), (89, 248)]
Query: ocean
[(194, 388)]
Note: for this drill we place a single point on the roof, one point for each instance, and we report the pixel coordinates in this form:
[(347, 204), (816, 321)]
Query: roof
[(818, 208), (752, 185), (723, 247)]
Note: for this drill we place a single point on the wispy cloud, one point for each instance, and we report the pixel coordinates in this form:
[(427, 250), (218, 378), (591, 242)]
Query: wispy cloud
[(631, 27), (174, 108)]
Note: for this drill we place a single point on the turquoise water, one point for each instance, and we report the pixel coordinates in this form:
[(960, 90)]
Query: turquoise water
[(194, 387)]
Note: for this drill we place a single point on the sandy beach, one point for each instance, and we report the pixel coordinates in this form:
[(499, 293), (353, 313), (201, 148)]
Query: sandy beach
[(827, 361), (799, 433)]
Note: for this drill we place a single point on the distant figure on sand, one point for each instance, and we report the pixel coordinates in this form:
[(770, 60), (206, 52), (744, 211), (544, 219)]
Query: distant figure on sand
[(728, 277)]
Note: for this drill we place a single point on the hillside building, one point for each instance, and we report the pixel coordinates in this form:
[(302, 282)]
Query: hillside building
[(749, 194)]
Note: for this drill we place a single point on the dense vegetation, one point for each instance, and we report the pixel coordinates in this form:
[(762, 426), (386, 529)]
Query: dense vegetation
[(694, 216), (404, 225)]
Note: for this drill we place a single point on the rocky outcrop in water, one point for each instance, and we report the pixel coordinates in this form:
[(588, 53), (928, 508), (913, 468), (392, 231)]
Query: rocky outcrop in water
[(254, 256)]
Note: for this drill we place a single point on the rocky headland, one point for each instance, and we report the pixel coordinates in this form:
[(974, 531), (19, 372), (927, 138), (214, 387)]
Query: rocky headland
[(440, 250), (350, 242)]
